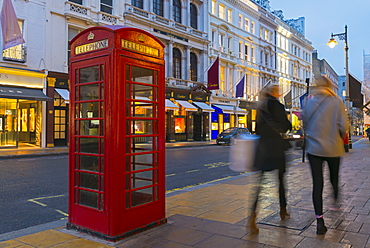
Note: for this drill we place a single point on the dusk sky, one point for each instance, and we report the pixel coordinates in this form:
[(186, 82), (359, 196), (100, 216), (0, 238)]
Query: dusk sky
[(324, 17)]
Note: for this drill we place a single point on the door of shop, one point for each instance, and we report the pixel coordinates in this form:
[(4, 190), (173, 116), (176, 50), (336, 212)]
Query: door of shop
[(198, 125), (27, 122)]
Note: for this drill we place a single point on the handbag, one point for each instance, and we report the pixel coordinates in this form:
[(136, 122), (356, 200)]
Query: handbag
[(243, 153)]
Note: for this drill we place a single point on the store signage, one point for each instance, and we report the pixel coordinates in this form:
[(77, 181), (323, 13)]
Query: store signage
[(139, 48), (181, 96), (199, 98), (91, 46), (18, 77)]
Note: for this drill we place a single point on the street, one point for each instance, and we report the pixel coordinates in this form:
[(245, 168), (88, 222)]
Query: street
[(34, 190)]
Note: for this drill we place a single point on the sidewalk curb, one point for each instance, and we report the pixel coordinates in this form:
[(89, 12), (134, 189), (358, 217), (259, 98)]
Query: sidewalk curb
[(33, 155), (32, 230)]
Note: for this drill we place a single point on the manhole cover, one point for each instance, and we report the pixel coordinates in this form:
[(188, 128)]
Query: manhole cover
[(299, 219)]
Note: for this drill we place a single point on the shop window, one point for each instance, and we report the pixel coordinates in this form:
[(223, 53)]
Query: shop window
[(177, 11), (221, 126), (214, 117), (242, 121), (106, 6), (179, 124), (138, 3), (158, 7), (193, 16), (24, 120), (8, 122), (32, 120)]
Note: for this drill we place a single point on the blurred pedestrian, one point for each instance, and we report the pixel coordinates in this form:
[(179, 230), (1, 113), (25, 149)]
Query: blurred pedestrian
[(368, 133), (272, 122), (326, 123)]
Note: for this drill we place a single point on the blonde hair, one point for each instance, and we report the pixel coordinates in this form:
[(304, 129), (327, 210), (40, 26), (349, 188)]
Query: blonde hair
[(270, 89), (324, 82), (323, 86)]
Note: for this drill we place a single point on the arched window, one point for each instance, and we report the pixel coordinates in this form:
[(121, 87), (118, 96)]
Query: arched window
[(138, 3), (177, 11), (193, 67), (193, 16), (176, 73), (158, 7)]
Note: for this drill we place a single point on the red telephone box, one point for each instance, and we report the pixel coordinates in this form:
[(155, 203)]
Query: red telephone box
[(117, 132)]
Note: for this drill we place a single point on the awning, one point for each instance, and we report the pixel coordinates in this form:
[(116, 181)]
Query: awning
[(229, 109), (23, 93), (170, 105), (142, 98), (64, 94), (187, 105), (205, 107)]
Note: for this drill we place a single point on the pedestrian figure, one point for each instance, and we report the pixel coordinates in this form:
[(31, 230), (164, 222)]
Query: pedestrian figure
[(326, 123), (368, 133), (272, 122)]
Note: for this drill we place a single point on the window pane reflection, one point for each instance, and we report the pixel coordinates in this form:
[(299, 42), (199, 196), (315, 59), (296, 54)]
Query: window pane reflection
[(89, 74)]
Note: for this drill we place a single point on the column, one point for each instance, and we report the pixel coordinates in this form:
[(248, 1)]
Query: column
[(187, 64), (170, 10), (170, 59), (50, 113), (150, 6), (187, 21), (204, 61)]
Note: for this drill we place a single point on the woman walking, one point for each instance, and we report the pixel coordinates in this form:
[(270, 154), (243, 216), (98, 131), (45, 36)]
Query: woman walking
[(325, 122), (272, 121)]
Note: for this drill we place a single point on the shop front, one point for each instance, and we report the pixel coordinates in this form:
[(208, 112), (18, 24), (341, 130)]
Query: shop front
[(21, 116), (187, 114), (226, 116), (251, 107), (57, 119)]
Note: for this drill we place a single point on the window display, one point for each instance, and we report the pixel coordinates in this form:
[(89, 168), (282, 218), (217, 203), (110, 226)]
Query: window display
[(180, 125)]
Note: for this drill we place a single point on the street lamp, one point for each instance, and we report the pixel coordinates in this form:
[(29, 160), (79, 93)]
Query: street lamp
[(332, 43)]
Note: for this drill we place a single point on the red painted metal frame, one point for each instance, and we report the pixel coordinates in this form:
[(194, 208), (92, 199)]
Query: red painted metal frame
[(113, 220)]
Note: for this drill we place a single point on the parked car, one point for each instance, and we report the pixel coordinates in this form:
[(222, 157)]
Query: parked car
[(233, 132), (296, 137)]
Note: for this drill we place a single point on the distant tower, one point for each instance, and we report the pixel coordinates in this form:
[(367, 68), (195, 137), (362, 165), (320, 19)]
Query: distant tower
[(366, 85)]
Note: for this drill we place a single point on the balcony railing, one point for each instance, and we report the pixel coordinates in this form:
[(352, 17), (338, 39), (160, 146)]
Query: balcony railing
[(104, 17), (77, 8), (151, 17), (181, 83), (17, 53)]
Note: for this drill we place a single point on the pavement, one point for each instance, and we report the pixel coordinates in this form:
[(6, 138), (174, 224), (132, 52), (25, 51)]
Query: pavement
[(215, 214)]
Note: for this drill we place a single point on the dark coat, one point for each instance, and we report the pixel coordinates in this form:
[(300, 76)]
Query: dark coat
[(271, 122)]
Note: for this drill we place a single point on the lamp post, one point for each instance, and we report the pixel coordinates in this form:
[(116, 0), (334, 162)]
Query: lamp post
[(332, 43)]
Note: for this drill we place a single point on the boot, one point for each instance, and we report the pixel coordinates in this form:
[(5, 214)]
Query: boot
[(321, 228), (283, 213), (252, 223)]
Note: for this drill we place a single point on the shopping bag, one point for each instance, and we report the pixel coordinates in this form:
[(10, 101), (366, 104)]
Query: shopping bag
[(243, 153)]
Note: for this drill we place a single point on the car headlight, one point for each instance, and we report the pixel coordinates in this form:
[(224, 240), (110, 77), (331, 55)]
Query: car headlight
[(296, 136)]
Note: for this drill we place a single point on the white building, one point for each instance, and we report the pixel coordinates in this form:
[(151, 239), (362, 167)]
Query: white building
[(249, 38), (23, 74), (252, 40)]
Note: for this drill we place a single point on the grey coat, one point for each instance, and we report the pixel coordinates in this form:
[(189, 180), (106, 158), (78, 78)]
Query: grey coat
[(325, 122)]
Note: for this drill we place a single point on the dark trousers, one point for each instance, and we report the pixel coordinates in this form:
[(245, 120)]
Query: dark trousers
[(316, 164), (282, 197)]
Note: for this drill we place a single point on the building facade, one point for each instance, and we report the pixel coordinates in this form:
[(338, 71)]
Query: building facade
[(251, 40), (257, 43), (23, 73)]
